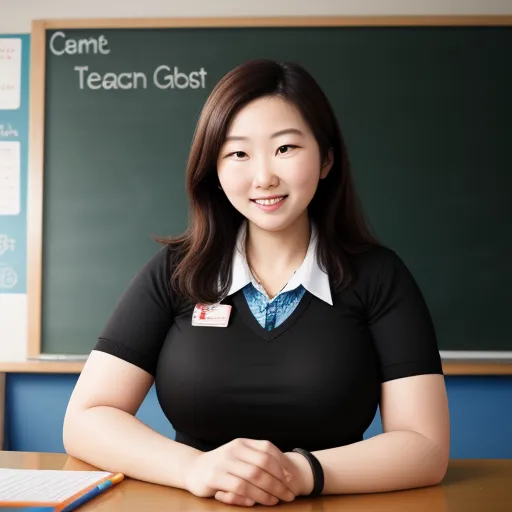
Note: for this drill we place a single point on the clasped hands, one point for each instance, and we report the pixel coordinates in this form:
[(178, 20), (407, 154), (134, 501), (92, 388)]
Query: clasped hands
[(246, 471)]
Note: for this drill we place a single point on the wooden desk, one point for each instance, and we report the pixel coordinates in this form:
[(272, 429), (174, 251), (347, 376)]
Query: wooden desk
[(469, 486)]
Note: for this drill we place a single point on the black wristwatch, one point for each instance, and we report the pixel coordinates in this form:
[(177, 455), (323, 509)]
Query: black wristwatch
[(318, 472)]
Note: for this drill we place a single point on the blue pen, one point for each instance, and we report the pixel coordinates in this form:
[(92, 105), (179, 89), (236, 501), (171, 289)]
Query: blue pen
[(89, 495)]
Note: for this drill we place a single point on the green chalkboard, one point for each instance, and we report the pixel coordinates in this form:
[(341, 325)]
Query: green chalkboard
[(425, 112)]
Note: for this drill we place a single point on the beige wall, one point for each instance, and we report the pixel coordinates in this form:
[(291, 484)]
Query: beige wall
[(16, 15)]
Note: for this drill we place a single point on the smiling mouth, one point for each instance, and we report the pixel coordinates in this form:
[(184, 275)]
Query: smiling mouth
[(269, 202)]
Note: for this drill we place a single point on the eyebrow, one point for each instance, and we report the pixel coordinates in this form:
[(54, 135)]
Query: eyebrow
[(287, 131)]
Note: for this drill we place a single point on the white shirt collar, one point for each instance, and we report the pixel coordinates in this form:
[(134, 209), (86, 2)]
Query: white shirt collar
[(309, 274)]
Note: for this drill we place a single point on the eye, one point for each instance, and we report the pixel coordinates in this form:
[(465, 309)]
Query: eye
[(282, 150), (238, 154)]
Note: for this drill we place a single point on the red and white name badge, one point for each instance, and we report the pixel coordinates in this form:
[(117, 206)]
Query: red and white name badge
[(211, 315)]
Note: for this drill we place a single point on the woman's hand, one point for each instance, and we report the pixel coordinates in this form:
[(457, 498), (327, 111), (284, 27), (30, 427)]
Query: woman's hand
[(243, 472), (302, 474)]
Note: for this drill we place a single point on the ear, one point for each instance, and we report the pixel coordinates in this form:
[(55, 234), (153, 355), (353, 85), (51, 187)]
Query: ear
[(327, 165)]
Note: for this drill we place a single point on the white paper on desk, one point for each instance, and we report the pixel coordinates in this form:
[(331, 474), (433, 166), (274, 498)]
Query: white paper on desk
[(45, 485), (10, 73), (10, 178)]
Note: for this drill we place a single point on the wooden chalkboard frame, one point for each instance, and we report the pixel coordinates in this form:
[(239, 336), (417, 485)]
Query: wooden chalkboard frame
[(454, 363)]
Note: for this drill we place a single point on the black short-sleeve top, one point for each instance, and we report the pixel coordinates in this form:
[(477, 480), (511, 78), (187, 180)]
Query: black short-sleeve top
[(312, 382)]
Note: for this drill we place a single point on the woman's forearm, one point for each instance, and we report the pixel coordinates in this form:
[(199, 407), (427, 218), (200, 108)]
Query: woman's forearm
[(113, 440), (387, 462)]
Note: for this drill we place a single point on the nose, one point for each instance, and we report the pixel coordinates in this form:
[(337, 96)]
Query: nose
[(264, 176)]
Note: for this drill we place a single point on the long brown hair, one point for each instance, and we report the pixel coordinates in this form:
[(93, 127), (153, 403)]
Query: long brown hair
[(202, 270)]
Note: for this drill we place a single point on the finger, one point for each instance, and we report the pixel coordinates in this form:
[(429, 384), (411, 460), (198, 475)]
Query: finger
[(266, 456), (236, 485), (259, 477), (233, 499), (272, 449)]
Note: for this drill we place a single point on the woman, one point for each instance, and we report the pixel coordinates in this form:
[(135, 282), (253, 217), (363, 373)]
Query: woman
[(307, 323)]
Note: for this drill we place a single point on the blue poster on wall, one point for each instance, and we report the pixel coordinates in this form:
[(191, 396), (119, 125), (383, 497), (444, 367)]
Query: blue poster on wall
[(14, 91)]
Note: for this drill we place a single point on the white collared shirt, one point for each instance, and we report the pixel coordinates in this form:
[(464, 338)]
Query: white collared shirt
[(309, 274)]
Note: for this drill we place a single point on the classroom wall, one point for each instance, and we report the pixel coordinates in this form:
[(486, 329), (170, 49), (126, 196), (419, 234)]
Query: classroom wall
[(481, 416), (480, 412), (15, 15)]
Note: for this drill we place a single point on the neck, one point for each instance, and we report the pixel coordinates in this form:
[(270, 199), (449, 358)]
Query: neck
[(278, 253)]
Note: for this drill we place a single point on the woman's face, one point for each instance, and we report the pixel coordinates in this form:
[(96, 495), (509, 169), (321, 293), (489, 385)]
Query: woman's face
[(269, 165)]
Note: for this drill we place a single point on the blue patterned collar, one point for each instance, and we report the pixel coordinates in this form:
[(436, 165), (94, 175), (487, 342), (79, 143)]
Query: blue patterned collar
[(309, 274)]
